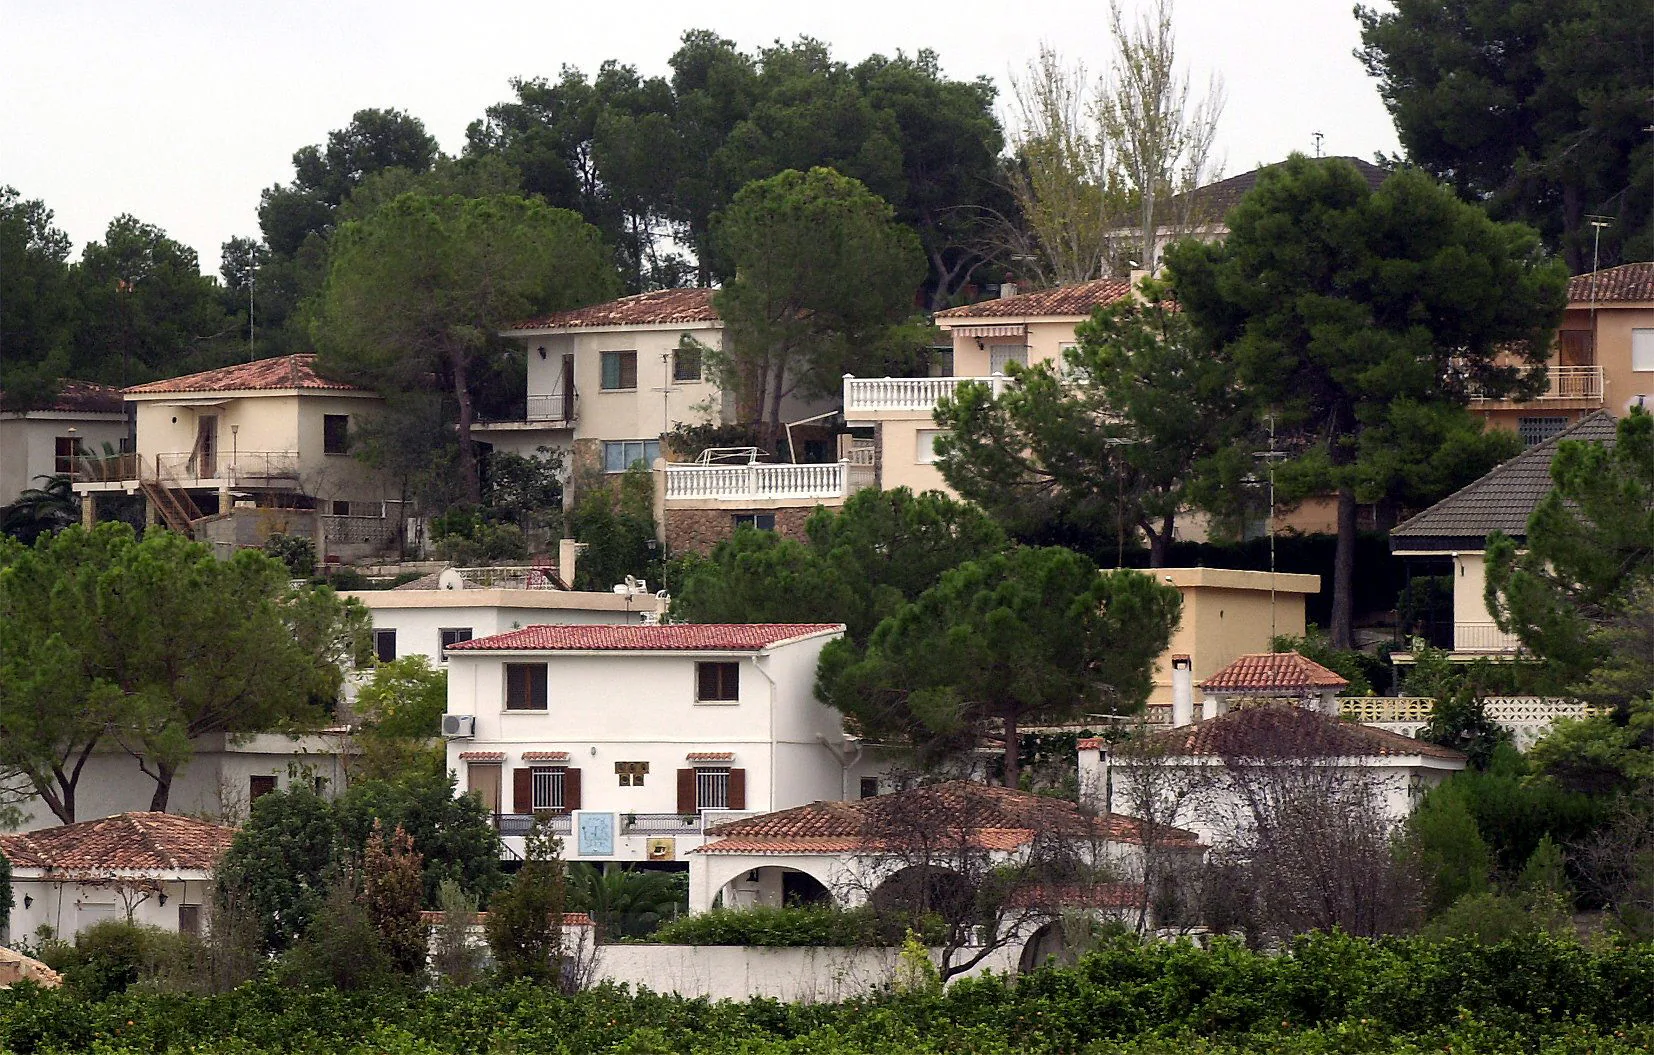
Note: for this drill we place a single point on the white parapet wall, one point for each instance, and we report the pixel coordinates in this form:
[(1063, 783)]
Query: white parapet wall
[(756, 483)]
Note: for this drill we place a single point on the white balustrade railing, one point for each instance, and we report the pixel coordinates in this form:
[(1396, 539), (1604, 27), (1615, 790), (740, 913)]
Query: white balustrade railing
[(550, 406), (1483, 637), (746, 483), (864, 394), (1566, 382)]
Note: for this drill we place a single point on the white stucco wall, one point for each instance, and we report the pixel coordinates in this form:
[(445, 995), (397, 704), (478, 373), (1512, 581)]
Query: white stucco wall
[(418, 616), (68, 908), (28, 444)]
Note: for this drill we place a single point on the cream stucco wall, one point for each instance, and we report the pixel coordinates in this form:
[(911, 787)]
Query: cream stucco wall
[(1226, 615), (1613, 349), (1044, 340), (28, 444)]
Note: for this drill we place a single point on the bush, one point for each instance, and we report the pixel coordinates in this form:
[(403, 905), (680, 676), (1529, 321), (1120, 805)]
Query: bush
[(109, 956), (340, 949), (796, 925), (295, 551)]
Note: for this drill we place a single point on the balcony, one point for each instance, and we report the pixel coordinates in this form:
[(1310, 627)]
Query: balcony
[(1581, 383), (278, 469), (552, 408), (651, 824), (1483, 637), (758, 482), (865, 395)]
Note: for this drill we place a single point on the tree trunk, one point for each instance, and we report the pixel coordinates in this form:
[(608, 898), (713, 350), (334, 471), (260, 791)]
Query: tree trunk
[(467, 445), (1160, 542), (1013, 772), (164, 772), (1343, 572)]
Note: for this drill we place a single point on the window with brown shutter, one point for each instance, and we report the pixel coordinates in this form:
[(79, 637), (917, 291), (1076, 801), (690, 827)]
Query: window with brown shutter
[(736, 799), (686, 791), (189, 919), (258, 787), (525, 686), (571, 790), (522, 791), (717, 682)]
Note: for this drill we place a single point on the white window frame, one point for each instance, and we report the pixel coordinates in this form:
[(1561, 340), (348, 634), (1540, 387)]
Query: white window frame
[(924, 446), (648, 451), (546, 788), (1642, 349)]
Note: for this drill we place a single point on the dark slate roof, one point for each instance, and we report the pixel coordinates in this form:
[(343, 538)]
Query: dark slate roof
[(1500, 501), (1213, 201)]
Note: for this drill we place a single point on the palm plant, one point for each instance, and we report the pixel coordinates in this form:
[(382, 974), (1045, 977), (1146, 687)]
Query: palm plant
[(625, 903), (41, 510)]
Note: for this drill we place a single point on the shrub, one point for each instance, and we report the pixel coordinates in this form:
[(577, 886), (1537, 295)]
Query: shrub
[(455, 957), (109, 956), (525, 920), (295, 551)]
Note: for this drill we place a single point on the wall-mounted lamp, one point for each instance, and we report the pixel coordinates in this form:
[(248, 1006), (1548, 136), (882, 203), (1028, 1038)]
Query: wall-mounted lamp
[(162, 900), (594, 751), (542, 351), (28, 900)]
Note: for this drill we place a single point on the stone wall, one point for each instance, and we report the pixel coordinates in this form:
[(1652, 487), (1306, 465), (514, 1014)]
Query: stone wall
[(15, 967), (698, 530)]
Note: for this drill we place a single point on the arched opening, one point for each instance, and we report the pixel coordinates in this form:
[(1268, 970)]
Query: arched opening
[(1050, 942), (922, 890), (774, 886)]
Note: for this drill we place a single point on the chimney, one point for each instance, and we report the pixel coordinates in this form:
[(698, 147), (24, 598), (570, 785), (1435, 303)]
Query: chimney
[(1008, 288), (568, 553), (1135, 276), (1183, 692), (1211, 707)]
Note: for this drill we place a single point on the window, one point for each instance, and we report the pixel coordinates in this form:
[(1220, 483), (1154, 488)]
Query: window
[(547, 787), (686, 364), (258, 787), (619, 371), (816, 452), (450, 636), (341, 509), (189, 919), (717, 682), (68, 449), (525, 686), (620, 455), (1642, 349), (335, 433), (712, 788), (384, 645), (1000, 355), (869, 787), (760, 521), (925, 445), (631, 774), (1538, 430)]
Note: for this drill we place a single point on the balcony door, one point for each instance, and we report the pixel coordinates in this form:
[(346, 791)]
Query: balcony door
[(206, 447), (483, 781), (1001, 354)]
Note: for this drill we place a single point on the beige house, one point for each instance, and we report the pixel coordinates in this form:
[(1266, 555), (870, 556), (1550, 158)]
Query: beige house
[(47, 440), (234, 454), (1603, 358), (1227, 614)]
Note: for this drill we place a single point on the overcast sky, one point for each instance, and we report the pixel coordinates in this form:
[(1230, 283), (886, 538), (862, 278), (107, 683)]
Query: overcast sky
[(181, 112)]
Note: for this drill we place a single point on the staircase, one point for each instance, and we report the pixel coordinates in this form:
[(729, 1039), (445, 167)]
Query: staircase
[(174, 505)]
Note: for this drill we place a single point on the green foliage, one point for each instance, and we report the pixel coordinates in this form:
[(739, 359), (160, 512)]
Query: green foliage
[(340, 947), (1029, 636), (38, 308), (393, 895), (857, 565), (472, 542), (295, 551), (38, 511), (1344, 308), (795, 926), (399, 713), (280, 861), (454, 834), (617, 529), (1451, 857), (109, 957), (626, 902), (525, 920), (1491, 918), (454, 958), (1460, 721), (915, 973), (1139, 421), (525, 490), (1535, 111), (823, 281)]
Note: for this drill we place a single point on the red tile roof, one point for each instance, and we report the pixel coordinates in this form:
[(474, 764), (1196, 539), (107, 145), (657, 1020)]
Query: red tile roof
[(1626, 283), (139, 842), (660, 307), (710, 756), (672, 637), (994, 818), (1075, 895), (80, 397), (1279, 731), (1273, 672), (1077, 300), (482, 756), (545, 756), (282, 372)]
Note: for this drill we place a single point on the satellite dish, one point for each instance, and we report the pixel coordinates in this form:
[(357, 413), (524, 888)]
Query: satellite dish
[(450, 579)]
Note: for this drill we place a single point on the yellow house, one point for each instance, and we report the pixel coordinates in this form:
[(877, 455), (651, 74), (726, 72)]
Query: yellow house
[(1228, 614), (233, 454)]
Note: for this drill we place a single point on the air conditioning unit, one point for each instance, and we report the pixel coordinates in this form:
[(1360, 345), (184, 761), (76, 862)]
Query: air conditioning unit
[(459, 726)]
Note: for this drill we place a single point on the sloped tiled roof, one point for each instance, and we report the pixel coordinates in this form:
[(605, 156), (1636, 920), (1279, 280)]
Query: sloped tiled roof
[(1266, 732), (996, 818), (1504, 498), (1076, 300), (80, 397), (1628, 283), (1273, 672), (658, 307), (1212, 202), (142, 842), (282, 372), (672, 637)]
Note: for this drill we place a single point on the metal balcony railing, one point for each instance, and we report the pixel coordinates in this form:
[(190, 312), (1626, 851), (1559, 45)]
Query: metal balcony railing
[(1566, 382), (1483, 637), (918, 394), (757, 482), (551, 406)]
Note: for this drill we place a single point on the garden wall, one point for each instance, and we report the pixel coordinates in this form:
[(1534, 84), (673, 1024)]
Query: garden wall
[(738, 972)]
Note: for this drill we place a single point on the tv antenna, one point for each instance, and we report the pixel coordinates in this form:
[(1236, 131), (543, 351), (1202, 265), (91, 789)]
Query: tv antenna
[(1317, 136), (1270, 457)]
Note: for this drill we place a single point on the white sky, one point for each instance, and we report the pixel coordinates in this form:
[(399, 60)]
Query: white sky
[(181, 112)]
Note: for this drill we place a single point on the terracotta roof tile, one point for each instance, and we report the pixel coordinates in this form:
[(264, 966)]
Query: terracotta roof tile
[(995, 818), (671, 637), (1076, 300), (1273, 672), (1074, 895), (710, 756), (141, 842), (433, 918), (545, 756), (659, 307), (1628, 283), (282, 372), (80, 397), (1292, 732), (482, 756)]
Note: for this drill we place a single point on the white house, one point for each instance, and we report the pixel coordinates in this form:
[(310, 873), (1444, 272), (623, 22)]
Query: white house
[(49, 439), (632, 739), (1267, 725), (150, 868)]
